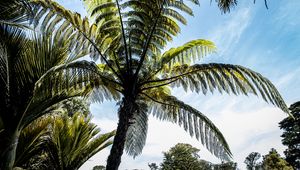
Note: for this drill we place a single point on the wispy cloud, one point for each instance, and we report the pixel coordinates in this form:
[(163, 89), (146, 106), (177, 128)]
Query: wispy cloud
[(228, 33)]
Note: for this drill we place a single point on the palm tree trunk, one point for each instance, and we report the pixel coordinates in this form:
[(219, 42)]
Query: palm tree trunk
[(125, 115), (10, 143)]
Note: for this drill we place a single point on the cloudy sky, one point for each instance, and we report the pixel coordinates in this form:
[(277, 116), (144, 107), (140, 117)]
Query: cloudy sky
[(266, 41)]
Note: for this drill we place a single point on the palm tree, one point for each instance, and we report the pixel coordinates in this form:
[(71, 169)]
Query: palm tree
[(129, 39), (31, 142), (74, 140), (29, 85), (60, 140)]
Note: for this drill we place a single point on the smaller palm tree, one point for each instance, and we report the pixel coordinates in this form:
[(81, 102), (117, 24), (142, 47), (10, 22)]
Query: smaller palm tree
[(60, 142), (74, 140)]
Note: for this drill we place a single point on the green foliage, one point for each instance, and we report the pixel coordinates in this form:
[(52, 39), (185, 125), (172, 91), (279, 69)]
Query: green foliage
[(32, 143), (73, 105), (251, 161), (60, 142), (184, 156), (225, 166), (181, 156), (273, 161), (291, 137), (153, 166), (75, 140), (99, 167)]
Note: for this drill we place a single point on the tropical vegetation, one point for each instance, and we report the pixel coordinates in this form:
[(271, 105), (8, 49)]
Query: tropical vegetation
[(60, 142), (41, 48)]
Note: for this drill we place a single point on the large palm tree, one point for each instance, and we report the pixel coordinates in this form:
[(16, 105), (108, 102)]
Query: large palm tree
[(129, 38), (29, 50)]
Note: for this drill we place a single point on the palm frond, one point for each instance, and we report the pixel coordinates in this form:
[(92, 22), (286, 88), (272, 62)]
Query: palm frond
[(106, 16), (66, 27), (13, 43), (16, 13), (95, 145), (185, 54), (169, 108), (31, 140), (295, 107), (80, 78), (226, 5), (137, 131), (225, 77), (76, 139)]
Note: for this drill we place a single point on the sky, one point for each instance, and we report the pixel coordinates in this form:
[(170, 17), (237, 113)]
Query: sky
[(264, 40)]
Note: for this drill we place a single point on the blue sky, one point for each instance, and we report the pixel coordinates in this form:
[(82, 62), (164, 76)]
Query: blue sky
[(266, 41)]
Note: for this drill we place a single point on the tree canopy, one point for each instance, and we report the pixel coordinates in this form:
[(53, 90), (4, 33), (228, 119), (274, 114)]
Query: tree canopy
[(251, 161), (273, 161), (291, 136), (181, 156)]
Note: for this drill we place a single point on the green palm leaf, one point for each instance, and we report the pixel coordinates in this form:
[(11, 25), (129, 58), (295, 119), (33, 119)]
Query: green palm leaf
[(53, 19), (32, 140), (166, 107), (223, 77), (186, 54), (75, 140), (137, 131)]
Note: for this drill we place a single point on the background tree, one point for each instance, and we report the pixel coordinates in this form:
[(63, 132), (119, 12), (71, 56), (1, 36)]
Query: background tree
[(99, 167), (73, 105), (185, 156), (153, 166), (251, 161), (225, 166), (291, 136), (273, 161), (181, 156)]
